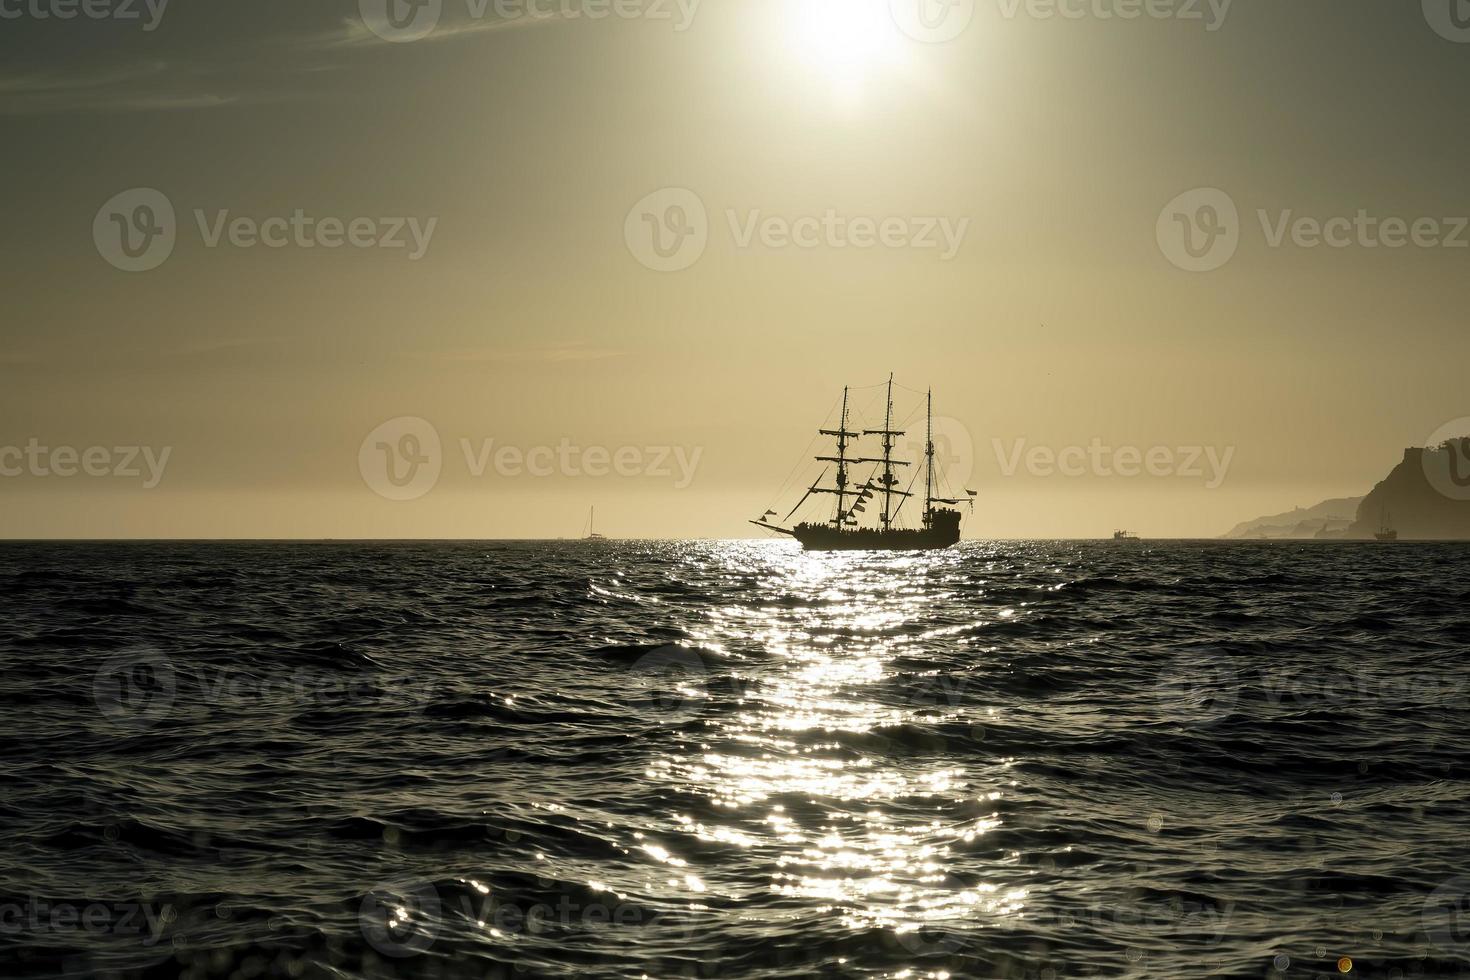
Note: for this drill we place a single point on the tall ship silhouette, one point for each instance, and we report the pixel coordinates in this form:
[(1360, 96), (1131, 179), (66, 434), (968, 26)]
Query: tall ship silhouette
[(846, 530), (1386, 530)]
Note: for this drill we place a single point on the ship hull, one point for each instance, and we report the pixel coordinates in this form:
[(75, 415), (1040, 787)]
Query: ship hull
[(943, 531)]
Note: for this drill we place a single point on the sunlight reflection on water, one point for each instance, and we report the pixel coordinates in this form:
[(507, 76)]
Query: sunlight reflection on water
[(857, 832)]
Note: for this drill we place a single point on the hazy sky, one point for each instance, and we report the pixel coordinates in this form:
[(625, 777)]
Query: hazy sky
[(853, 192)]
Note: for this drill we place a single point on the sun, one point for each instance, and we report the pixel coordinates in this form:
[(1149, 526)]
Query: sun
[(846, 43)]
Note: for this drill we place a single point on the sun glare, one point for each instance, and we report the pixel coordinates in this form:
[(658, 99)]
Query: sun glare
[(844, 42)]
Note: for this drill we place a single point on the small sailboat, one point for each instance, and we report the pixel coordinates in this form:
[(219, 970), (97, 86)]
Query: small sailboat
[(592, 534), (939, 527), (1386, 531)]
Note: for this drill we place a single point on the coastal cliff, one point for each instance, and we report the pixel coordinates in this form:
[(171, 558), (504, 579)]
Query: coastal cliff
[(1425, 497), (1330, 518)]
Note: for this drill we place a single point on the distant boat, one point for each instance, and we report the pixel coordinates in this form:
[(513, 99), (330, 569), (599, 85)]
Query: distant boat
[(592, 535), (1385, 532), (843, 531), (1125, 536)]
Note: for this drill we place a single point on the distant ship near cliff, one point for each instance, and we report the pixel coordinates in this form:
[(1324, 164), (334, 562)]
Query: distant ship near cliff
[(1426, 497), (1427, 494)]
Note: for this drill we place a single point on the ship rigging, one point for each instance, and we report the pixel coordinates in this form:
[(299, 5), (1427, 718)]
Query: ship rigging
[(844, 531)]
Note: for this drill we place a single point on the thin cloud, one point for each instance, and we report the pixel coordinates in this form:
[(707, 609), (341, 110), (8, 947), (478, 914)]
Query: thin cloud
[(206, 347), (526, 355), (163, 86), (51, 82), (354, 33), (151, 86)]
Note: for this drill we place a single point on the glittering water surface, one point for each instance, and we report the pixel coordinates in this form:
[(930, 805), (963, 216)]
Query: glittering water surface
[(730, 759)]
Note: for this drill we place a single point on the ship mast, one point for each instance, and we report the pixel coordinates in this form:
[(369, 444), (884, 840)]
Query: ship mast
[(928, 457), (842, 434), (887, 432)]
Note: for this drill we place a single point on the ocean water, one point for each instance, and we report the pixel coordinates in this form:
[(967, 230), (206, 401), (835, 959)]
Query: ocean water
[(733, 760)]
